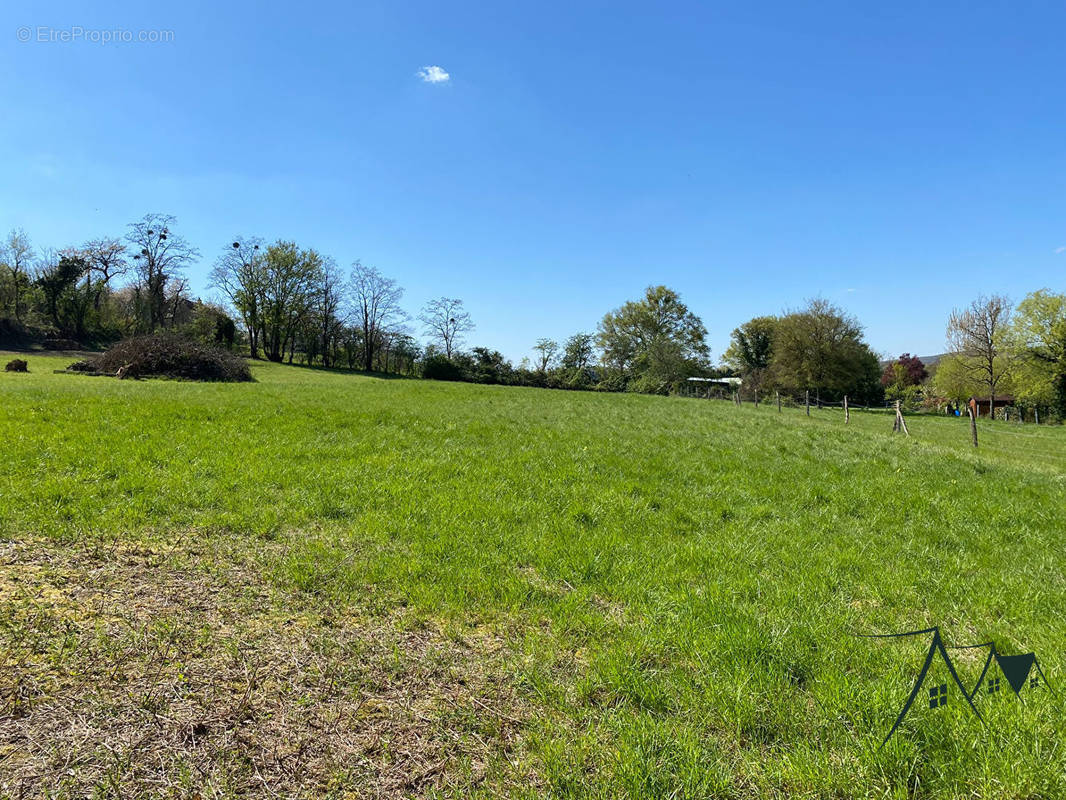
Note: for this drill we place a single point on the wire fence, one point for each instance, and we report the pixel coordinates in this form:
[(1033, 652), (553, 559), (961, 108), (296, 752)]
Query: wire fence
[(1031, 443)]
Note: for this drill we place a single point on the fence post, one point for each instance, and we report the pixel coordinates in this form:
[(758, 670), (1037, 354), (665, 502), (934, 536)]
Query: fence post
[(847, 411), (756, 398), (902, 422), (1036, 414), (973, 424), (807, 401), (778, 401)]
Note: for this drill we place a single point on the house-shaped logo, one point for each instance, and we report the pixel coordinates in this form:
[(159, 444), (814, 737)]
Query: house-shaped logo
[(1019, 671)]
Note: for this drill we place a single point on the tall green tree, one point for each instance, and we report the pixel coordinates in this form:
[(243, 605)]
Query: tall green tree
[(290, 276), (16, 254), (546, 350), (954, 380), (821, 348), (578, 351), (58, 280), (751, 350), (654, 341), (1038, 335)]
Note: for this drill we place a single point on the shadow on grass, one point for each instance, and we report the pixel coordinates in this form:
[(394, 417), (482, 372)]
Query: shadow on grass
[(385, 376)]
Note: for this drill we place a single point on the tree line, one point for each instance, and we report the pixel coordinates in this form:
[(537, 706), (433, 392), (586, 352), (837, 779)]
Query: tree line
[(283, 302), (99, 291), (818, 349), (999, 355), (1001, 352)]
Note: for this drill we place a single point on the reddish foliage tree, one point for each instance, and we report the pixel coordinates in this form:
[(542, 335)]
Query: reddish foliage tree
[(907, 370)]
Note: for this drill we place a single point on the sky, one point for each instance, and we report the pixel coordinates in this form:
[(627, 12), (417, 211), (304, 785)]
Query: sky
[(545, 162)]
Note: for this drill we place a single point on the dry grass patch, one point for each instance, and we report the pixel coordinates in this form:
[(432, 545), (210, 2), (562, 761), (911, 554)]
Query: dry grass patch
[(139, 671)]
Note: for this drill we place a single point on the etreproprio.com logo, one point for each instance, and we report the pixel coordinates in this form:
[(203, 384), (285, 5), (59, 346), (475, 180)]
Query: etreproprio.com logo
[(46, 34)]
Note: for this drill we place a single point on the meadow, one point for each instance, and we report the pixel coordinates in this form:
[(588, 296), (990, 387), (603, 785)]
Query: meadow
[(329, 584)]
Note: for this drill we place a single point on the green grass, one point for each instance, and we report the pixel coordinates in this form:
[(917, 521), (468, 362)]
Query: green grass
[(677, 583)]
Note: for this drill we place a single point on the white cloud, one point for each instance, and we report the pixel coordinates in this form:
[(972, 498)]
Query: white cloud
[(1061, 249), (434, 75)]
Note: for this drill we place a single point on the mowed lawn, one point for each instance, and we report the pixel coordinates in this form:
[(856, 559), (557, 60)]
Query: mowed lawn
[(323, 584)]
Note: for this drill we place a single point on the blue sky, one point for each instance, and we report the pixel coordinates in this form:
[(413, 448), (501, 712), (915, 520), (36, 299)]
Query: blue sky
[(894, 158)]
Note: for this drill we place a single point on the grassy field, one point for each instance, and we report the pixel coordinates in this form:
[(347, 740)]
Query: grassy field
[(323, 584)]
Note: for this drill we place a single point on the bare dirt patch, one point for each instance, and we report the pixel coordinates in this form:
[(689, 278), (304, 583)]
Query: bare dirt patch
[(136, 671)]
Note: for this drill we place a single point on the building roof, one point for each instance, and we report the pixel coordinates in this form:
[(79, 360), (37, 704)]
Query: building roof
[(728, 381)]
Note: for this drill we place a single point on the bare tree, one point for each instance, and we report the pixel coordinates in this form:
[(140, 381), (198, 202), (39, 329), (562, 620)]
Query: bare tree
[(159, 257), (239, 273), (177, 302), (17, 254), (546, 351), (395, 340), (107, 260), (977, 335), (445, 321), (377, 304), (327, 302)]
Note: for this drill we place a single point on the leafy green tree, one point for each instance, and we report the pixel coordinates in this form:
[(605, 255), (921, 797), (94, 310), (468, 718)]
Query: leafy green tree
[(65, 305), (211, 324), (954, 380), (16, 253), (490, 366), (546, 350), (655, 341), (902, 380), (576, 364), (821, 348), (290, 277), (751, 350), (1038, 336), (578, 351)]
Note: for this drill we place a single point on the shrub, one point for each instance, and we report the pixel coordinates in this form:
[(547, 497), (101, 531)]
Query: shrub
[(17, 365), (649, 384), (611, 383), (165, 355), (439, 368), (577, 378), (910, 397)]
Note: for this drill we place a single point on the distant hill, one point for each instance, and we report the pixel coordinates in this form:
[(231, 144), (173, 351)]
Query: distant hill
[(929, 361)]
